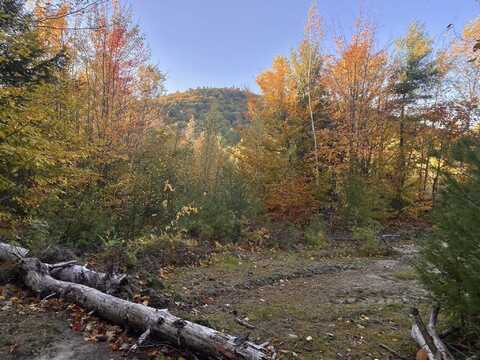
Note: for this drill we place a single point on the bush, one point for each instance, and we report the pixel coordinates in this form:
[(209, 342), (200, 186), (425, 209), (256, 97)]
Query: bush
[(217, 221), (315, 233), (75, 218), (222, 210), (368, 237), (256, 237), (285, 235), (364, 202), (36, 236), (450, 258), (151, 252)]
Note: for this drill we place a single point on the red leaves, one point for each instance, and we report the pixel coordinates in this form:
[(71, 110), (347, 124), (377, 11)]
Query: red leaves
[(97, 330), (92, 328), (292, 200), (116, 38)]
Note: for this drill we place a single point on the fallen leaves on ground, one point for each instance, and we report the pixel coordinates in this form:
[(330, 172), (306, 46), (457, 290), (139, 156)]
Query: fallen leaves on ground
[(93, 329)]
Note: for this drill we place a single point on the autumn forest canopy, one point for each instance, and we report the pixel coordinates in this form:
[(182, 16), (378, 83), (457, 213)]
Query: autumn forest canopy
[(96, 156)]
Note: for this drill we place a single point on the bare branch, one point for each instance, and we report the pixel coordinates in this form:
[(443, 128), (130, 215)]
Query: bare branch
[(73, 12)]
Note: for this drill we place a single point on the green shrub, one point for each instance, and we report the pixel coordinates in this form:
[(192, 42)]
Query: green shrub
[(221, 211), (368, 238), (285, 235), (364, 202), (150, 252), (37, 235), (76, 219), (450, 257), (118, 252), (216, 221), (257, 236), (315, 233)]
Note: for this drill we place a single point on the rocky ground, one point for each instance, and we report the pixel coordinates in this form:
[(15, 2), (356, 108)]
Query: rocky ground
[(310, 304)]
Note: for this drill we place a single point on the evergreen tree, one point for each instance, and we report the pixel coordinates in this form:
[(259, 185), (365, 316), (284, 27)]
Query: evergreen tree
[(30, 144), (414, 75), (450, 263), (23, 59)]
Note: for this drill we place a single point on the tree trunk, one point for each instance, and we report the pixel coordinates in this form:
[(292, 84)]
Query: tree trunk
[(12, 253), (401, 159), (427, 338), (70, 271), (198, 338)]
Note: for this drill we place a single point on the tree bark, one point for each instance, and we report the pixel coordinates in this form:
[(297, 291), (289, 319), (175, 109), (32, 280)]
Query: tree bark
[(12, 253), (401, 159), (109, 283), (150, 321), (70, 271), (427, 337)]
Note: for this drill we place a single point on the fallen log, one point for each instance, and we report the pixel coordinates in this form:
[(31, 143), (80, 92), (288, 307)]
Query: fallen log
[(148, 320), (12, 253), (427, 337), (70, 271), (106, 282)]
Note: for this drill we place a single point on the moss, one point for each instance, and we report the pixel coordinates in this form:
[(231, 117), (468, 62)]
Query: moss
[(289, 312), (228, 262), (267, 312), (405, 275), (353, 330)]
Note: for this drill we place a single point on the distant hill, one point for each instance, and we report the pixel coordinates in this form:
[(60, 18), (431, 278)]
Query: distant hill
[(180, 107)]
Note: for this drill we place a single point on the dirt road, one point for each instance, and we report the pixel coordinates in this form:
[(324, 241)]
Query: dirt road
[(308, 305)]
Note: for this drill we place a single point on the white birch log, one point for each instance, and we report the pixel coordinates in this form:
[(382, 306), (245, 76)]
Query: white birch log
[(69, 271), (11, 253), (150, 321)]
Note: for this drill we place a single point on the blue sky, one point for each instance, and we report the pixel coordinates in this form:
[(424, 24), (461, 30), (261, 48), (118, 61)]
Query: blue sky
[(228, 42)]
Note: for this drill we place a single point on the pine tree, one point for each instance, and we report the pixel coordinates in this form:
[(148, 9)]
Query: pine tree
[(30, 141), (450, 262), (23, 59), (415, 74)]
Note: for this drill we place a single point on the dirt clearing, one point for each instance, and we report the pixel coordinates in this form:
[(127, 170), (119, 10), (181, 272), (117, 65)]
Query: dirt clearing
[(310, 305)]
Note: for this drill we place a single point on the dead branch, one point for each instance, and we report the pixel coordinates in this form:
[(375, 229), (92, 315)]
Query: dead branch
[(427, 337)]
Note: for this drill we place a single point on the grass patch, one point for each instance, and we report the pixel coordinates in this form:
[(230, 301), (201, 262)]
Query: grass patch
[(228, 262), (405, 275)]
